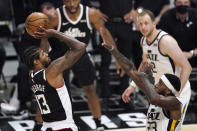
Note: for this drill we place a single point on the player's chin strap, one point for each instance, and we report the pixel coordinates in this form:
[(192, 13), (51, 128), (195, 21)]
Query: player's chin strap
[(168, 84)]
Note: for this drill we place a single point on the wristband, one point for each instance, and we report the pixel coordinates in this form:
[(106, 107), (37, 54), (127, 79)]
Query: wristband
[(133, 84), (192, 52), (112, 48)]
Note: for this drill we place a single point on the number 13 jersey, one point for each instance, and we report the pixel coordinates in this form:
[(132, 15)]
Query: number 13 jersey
[(54, 103)]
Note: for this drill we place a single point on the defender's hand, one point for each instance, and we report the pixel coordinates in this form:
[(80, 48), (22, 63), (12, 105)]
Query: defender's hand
[(146, 67), (126, 94)]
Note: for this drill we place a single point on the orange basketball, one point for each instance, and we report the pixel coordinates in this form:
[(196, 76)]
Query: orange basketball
[(34, 21)]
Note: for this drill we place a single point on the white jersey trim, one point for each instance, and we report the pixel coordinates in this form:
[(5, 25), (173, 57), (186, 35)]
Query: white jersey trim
[(33, 74), (44, 75), (78, 19), (60, 19), (66, 102), (87, 17)]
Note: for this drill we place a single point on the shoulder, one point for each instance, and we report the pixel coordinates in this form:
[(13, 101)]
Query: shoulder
[(167, 44), (167, 40)]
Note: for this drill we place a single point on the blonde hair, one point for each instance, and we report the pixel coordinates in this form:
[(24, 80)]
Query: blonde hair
[(142, 12)]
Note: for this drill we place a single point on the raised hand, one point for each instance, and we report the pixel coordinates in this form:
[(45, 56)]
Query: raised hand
[(126, 94), (146, 67), (43, 33)]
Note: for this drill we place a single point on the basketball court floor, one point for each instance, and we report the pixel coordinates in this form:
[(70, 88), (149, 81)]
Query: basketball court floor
[(118, 117)]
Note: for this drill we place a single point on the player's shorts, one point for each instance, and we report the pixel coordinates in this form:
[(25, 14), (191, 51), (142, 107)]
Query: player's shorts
[(84, 70)]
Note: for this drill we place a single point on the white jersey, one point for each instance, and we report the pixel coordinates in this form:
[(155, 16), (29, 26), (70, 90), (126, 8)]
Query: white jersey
[(161, 63), (159, 120)]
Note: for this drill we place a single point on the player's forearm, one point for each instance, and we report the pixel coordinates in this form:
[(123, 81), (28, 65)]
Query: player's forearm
[(124, 62), (141, 81), (109, 36), (44, 45), (69, 41)]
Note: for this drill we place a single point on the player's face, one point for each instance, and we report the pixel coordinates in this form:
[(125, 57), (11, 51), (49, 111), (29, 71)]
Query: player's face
[(182, 2), (72, 5), (49, 12), (146, 25), (161, 88), (44, 59)]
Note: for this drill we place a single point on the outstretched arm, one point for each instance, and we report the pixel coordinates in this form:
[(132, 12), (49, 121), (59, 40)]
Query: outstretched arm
[(169, 103), (98, 19)]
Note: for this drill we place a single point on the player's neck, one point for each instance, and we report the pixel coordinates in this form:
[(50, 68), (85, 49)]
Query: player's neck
[(152, 36), (38, 68), (74, 16)]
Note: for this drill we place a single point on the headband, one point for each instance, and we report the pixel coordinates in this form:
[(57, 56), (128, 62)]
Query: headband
[(168, 84)]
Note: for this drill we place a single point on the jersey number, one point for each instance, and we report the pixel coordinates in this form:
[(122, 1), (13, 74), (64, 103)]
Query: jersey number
[(152, 126), (154, 67), (44, 107)]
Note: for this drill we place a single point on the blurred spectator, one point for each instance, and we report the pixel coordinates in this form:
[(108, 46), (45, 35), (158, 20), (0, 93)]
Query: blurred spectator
[(180, 22), (158, 7)]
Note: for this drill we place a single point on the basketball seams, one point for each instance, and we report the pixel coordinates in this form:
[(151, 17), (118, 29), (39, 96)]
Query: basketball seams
[(34, 21), (37, 19)]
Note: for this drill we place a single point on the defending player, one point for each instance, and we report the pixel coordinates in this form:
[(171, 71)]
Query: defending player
[(166, 111)]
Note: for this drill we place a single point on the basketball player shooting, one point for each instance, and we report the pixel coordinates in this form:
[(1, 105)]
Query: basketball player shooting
[(47, 81), (164, 112)]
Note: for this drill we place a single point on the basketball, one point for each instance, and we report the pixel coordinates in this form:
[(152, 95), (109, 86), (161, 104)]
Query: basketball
[(34, 21)]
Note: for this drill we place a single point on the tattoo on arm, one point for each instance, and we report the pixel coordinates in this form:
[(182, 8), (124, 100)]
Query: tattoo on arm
[(125, 63)]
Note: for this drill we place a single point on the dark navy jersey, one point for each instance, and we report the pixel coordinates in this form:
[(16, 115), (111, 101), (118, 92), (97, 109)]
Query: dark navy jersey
[(54, 103), (79, 29)]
